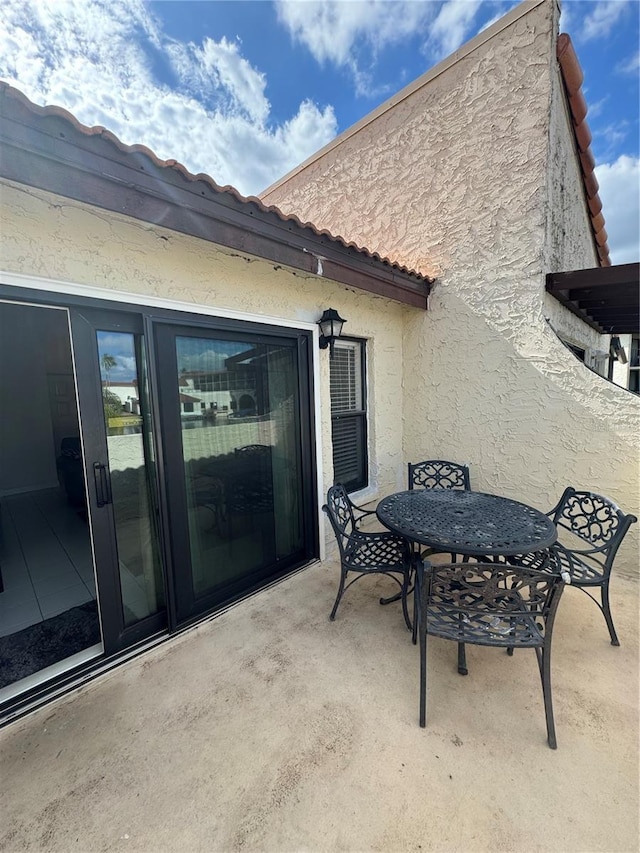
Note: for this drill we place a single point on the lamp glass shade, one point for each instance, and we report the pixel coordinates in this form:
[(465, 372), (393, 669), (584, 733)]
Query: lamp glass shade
[(331, 324)]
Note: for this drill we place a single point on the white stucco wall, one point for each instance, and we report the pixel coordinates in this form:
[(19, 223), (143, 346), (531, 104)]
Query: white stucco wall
[(453, 177), (47, 236)]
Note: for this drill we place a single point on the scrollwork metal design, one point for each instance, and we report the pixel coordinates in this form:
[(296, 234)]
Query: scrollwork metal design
[(592, 517), (438, 474)]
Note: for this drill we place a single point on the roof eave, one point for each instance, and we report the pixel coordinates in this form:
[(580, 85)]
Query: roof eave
[(49, 150)]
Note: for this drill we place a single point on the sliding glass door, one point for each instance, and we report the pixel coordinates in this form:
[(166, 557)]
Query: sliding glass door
[(236, 425), (152, 470)]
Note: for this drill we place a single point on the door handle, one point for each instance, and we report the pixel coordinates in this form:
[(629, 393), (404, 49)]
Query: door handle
[(102, 482)]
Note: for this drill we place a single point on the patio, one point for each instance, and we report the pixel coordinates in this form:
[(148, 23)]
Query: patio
[(270, 728)]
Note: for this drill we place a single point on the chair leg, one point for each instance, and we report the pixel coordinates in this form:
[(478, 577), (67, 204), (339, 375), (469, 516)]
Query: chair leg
[(390, 599), (606, 610), (405, 609), (510, 648), (462, 660), (544, 662), (343, 577), (423, 670)]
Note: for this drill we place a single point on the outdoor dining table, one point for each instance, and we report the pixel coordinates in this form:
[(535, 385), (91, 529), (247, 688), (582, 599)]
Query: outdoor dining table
[(466, 522)]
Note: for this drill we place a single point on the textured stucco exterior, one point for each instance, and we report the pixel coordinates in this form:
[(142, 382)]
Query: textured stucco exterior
[(569, 243), (457, 176), (54, 238)]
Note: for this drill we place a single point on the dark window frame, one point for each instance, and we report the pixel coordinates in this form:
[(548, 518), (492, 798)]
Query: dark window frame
[(357, 418)]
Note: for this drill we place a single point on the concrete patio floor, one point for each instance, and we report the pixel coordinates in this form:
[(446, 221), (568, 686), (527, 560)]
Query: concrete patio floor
[(269, 728)]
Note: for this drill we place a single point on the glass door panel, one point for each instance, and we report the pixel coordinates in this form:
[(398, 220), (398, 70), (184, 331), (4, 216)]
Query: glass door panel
[(235, 446), (126, 483)]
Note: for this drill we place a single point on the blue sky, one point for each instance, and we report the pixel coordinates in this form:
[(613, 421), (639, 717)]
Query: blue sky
[(245, 91)]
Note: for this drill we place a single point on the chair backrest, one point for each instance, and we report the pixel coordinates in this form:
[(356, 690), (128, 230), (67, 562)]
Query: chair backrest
[(339, 510), (594, 519), (253, 450), (490, 595), (438, 474)]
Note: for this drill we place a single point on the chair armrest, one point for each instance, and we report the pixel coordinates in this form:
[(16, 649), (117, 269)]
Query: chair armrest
[(363, 511)]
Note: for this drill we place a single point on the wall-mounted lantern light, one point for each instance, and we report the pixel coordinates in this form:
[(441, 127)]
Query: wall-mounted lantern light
[(330, 328)]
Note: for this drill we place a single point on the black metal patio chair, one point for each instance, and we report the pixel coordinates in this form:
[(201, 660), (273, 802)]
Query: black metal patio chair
[(364, 552), (587, 518), (439, 474), (488, 604)]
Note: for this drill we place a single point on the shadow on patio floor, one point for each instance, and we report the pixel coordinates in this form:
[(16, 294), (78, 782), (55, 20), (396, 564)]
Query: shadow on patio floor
[(270, 728)]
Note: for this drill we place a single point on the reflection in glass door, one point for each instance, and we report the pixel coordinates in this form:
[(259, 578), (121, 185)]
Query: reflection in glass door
[(127, 482), (234, 422)]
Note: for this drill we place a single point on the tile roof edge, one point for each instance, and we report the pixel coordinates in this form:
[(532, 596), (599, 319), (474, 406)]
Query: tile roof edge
[(9, 91), (573, 77)]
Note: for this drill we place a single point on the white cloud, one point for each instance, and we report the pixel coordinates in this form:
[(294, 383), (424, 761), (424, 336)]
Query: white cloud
[(602, 18), (218, 66), (597, 107), (332, 30), (620, 194), (631, 65), (452, 24), (94, 57), (350, 34)]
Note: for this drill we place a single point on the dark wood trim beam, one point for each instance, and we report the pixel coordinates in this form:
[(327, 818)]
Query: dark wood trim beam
[(594, 278), (607, 298)]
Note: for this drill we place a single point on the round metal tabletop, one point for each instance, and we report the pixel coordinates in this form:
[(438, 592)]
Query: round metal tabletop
[(467, 522)]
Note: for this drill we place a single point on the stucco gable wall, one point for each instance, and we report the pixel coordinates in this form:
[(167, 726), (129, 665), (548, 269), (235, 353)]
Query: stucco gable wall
[(454, 180), (453, 175)]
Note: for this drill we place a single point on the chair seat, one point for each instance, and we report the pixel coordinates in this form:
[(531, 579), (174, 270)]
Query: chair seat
[(483, 627), (376, 552), (581, 572)]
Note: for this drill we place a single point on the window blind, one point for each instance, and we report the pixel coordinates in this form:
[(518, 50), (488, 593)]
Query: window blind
[(348, 414)]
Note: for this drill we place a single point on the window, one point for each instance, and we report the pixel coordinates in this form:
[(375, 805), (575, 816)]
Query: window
[(349, 414)]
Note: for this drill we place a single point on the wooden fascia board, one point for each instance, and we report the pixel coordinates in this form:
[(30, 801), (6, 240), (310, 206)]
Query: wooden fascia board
[(90, 170), (598, 277)]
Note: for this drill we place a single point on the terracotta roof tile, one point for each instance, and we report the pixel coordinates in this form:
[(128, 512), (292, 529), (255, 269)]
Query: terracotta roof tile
[(51, 110), (573, 77)]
